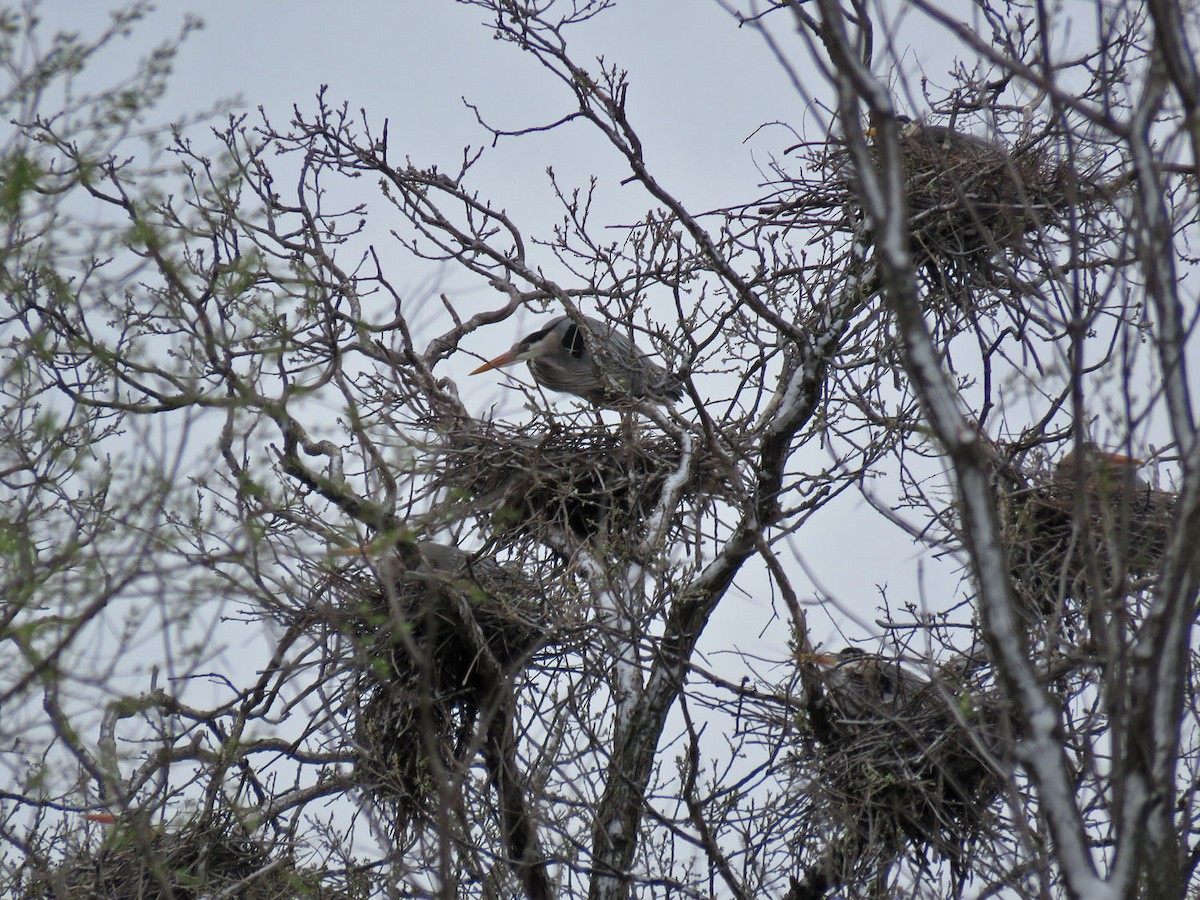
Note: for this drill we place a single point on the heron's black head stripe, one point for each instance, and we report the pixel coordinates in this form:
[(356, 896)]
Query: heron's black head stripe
[(532, 339), (573, 341)]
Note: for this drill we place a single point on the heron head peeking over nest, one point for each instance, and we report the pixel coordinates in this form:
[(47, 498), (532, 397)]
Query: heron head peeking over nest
[(1099, 470), (865, 684)]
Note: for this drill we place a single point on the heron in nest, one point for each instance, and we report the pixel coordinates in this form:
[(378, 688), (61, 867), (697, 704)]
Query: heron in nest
[(955, 144), (425, 567), (865, 685), (592, 361), (1100, 471)]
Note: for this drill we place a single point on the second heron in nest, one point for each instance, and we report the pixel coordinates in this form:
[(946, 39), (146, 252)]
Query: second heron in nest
[(1082, 534), (1104, 474), (863, 686)]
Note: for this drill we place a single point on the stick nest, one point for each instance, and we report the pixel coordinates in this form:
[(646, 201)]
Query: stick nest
[(1065, 545), (201, 859), (439, 634), (916, 764), (971, 199), (586, 479)]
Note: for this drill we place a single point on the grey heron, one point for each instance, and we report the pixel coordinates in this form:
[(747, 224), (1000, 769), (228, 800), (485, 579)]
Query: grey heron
[(956, 144), (1107, 478), (864, 686), (595, 362), (1102, 470)]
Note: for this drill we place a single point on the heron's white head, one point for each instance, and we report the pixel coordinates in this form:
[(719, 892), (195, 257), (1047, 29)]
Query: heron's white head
[(559, 338)]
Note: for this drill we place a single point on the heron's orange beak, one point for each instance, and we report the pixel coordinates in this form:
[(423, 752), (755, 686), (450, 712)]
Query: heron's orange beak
[(1121, 459), (504, 359)]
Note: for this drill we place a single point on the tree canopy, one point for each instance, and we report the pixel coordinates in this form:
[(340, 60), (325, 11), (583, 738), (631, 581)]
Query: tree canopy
[(290, 612)]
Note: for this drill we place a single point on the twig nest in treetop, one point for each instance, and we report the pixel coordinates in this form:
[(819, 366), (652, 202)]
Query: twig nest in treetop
[(1090, 516), (970, 197), (204, 857), (897, 756), (437, 630), (583, 478)]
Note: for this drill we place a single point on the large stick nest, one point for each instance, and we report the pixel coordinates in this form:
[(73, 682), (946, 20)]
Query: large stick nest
[(922, 761), (971, 199), (586, 479), (440, 632), (200, 859), (1068, 548)]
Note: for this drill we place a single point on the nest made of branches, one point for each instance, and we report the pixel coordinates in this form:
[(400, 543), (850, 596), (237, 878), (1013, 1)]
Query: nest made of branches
[(972, 198), (920, 765), (1068, 548), (588, 479), (438, 634), (202, 858)]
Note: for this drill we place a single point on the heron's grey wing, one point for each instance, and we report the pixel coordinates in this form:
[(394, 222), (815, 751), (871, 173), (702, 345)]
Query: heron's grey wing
[(629, 367), (442, 557), (957, 142)]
